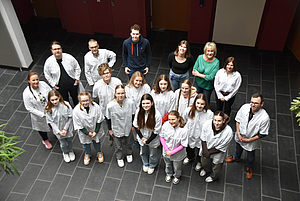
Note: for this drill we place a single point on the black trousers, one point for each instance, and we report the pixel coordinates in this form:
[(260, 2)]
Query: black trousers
[(64, 91), (43, 135), (227, 105), (191, 153)]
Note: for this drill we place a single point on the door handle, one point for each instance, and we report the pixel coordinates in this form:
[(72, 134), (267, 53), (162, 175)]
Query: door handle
[(113, 3)]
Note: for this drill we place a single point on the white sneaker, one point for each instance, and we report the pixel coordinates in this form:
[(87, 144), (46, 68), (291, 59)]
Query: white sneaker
[(120, 163), (150, 170), (72, 156), (186, 161), (129, 158), (198, 167), (202, 173), (168, 179), (66, 158), (145, 168), (209, 179)]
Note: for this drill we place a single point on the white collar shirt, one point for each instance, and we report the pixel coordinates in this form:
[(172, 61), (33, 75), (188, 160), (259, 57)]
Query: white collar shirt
[(164, 102), (183, 102), (136, 94)]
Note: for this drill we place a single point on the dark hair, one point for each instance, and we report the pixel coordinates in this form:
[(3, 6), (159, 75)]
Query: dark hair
[(162, 77), (258, 95), (85, 93), (193, 108), (103, 67), (224, 117), (55, 43), (187, 53), (49, 104), (135, 27), (28, 78), (150, 124), (188, 82), (176, 113), (228, 60)]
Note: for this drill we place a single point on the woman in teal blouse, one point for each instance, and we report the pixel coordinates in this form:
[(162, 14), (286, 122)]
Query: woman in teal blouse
[(205, 69)]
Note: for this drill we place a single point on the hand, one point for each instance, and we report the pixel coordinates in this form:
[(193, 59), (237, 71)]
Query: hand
[(111, 133), (127, 70), (239, 136), (56, 87), (206, 154), (168, 153), (76, 83), (144, 140), (244, 139), (196, 73), (146, 69), (44, 115), (63, 132), (223, 99), (131, 130)]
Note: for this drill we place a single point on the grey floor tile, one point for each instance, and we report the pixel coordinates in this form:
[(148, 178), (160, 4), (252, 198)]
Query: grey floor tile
[(265, 198), (283, 104), (109, 189), (18, 95), (287, 195), (137, 161), (160, 178), (240, 99), (146, 182), (180, 190), (252, 188), (269, 154), (254, 76), (252, 89), (77, 182), (16, 196), (27, 121), (51, 166), (4, 80), (286, 149), (89, 195), (288, 176), (268, 89), (272, 136), (282, 85), (270, 107), (126, 191), (6, 185), (67, 198), (294, 80), (25, 157), (11, 126), (18, 78), (57, 187), (284, 124), (38, 191), (6, 94), (194, 199), (69, 168), (97, 176), (235, 173), (280, 68), (41, 155), (22, 134), (197, 187), (9, 109), (139, 196), (233, 193), (217, 185), (268, 73), (270, 185), (160, 193), (212, 196)]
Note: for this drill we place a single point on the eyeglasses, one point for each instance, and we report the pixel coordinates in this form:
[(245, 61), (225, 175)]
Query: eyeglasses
[(56, 49), (255, 103)]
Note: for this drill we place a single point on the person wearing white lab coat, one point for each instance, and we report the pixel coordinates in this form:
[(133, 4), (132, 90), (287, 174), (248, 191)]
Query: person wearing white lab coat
[(195, 116), (174, 138), (227, 83), (119, 115), (35, 101), (163, 96), (59, 117), (215, 136), (62, 71), (87, 119), (147, 123), (252, 124), (94, 58), (185, 96)]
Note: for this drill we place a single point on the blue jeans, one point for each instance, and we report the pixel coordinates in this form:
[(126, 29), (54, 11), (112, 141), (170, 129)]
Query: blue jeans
[(250, 155), (132, 71), (149, 156), (206, 92), (176, 79), (66, 145), (87, 147)]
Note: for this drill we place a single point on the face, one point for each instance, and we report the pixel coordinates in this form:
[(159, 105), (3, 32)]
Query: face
[(200, 104), (106, 76), (229, 67), (34, 81), (182, 49), (56, 51), (84, 101), (54, 100), (120, 94), (146, 105), (137, 82), (163, 85), (135, 35), (185, 89), (173, 120), (93, 46), (256, 104), (210, 53), (218, 122)]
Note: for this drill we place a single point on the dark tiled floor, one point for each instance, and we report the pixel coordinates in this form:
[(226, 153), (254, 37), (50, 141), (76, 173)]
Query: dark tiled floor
[(44, 175)]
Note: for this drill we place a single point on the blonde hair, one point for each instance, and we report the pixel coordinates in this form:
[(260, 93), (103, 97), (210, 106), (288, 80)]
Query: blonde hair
[(103, 67), (135, 75), (85, 93), (211, 45)]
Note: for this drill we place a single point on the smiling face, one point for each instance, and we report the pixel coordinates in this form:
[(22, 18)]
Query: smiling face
[(106, 76), (120, 94), (182, 49), (137, 82), (93, 46), (173, 120), (256, 104), (56, 51), (163, 85), (146, 105), (200, 104), (135, 35), (84, 101), (229, 67), (54, 100), (210, 53), (185, 89), (218, 122), (34, 81)]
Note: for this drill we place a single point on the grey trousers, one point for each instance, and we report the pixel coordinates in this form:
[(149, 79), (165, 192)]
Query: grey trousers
[(215, 169), (119, 148), (173, 168)]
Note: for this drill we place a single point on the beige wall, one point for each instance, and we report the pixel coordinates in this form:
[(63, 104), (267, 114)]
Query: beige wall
[(293, 40)]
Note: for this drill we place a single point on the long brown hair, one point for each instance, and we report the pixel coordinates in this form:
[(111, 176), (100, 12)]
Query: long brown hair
[(150, 124), (28, 78), (187, 53), (50, 105), (193, 108), (85, 93), (176, 114), (224, 116), (165, 78), (188, 82), (228, 60), (135, 75)]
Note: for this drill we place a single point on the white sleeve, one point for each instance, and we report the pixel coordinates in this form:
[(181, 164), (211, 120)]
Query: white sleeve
[(217, 85), (47, 73), (112, 57), (77, 68), (236, 87), (29, 105), (87, 71)]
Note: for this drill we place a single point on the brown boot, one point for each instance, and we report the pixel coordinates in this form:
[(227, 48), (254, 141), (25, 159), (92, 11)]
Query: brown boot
[(231, 158), (249, 173)]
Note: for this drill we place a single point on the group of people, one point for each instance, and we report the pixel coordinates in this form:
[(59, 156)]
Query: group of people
[(173, 114)]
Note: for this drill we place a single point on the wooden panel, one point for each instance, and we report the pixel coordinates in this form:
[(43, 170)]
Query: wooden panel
[(46, 8)]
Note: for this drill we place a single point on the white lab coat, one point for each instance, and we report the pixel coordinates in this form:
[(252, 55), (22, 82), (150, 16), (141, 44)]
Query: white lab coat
[(260, 123), (60, 116), (147, 132), (183, 102), (36, 107), (174, 137), (227, 83), (136, 94), (121, 117), (194, 126), (91, 64), (82, 119), (164, 102), (52, 70), (105, 92), (219, 141)]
